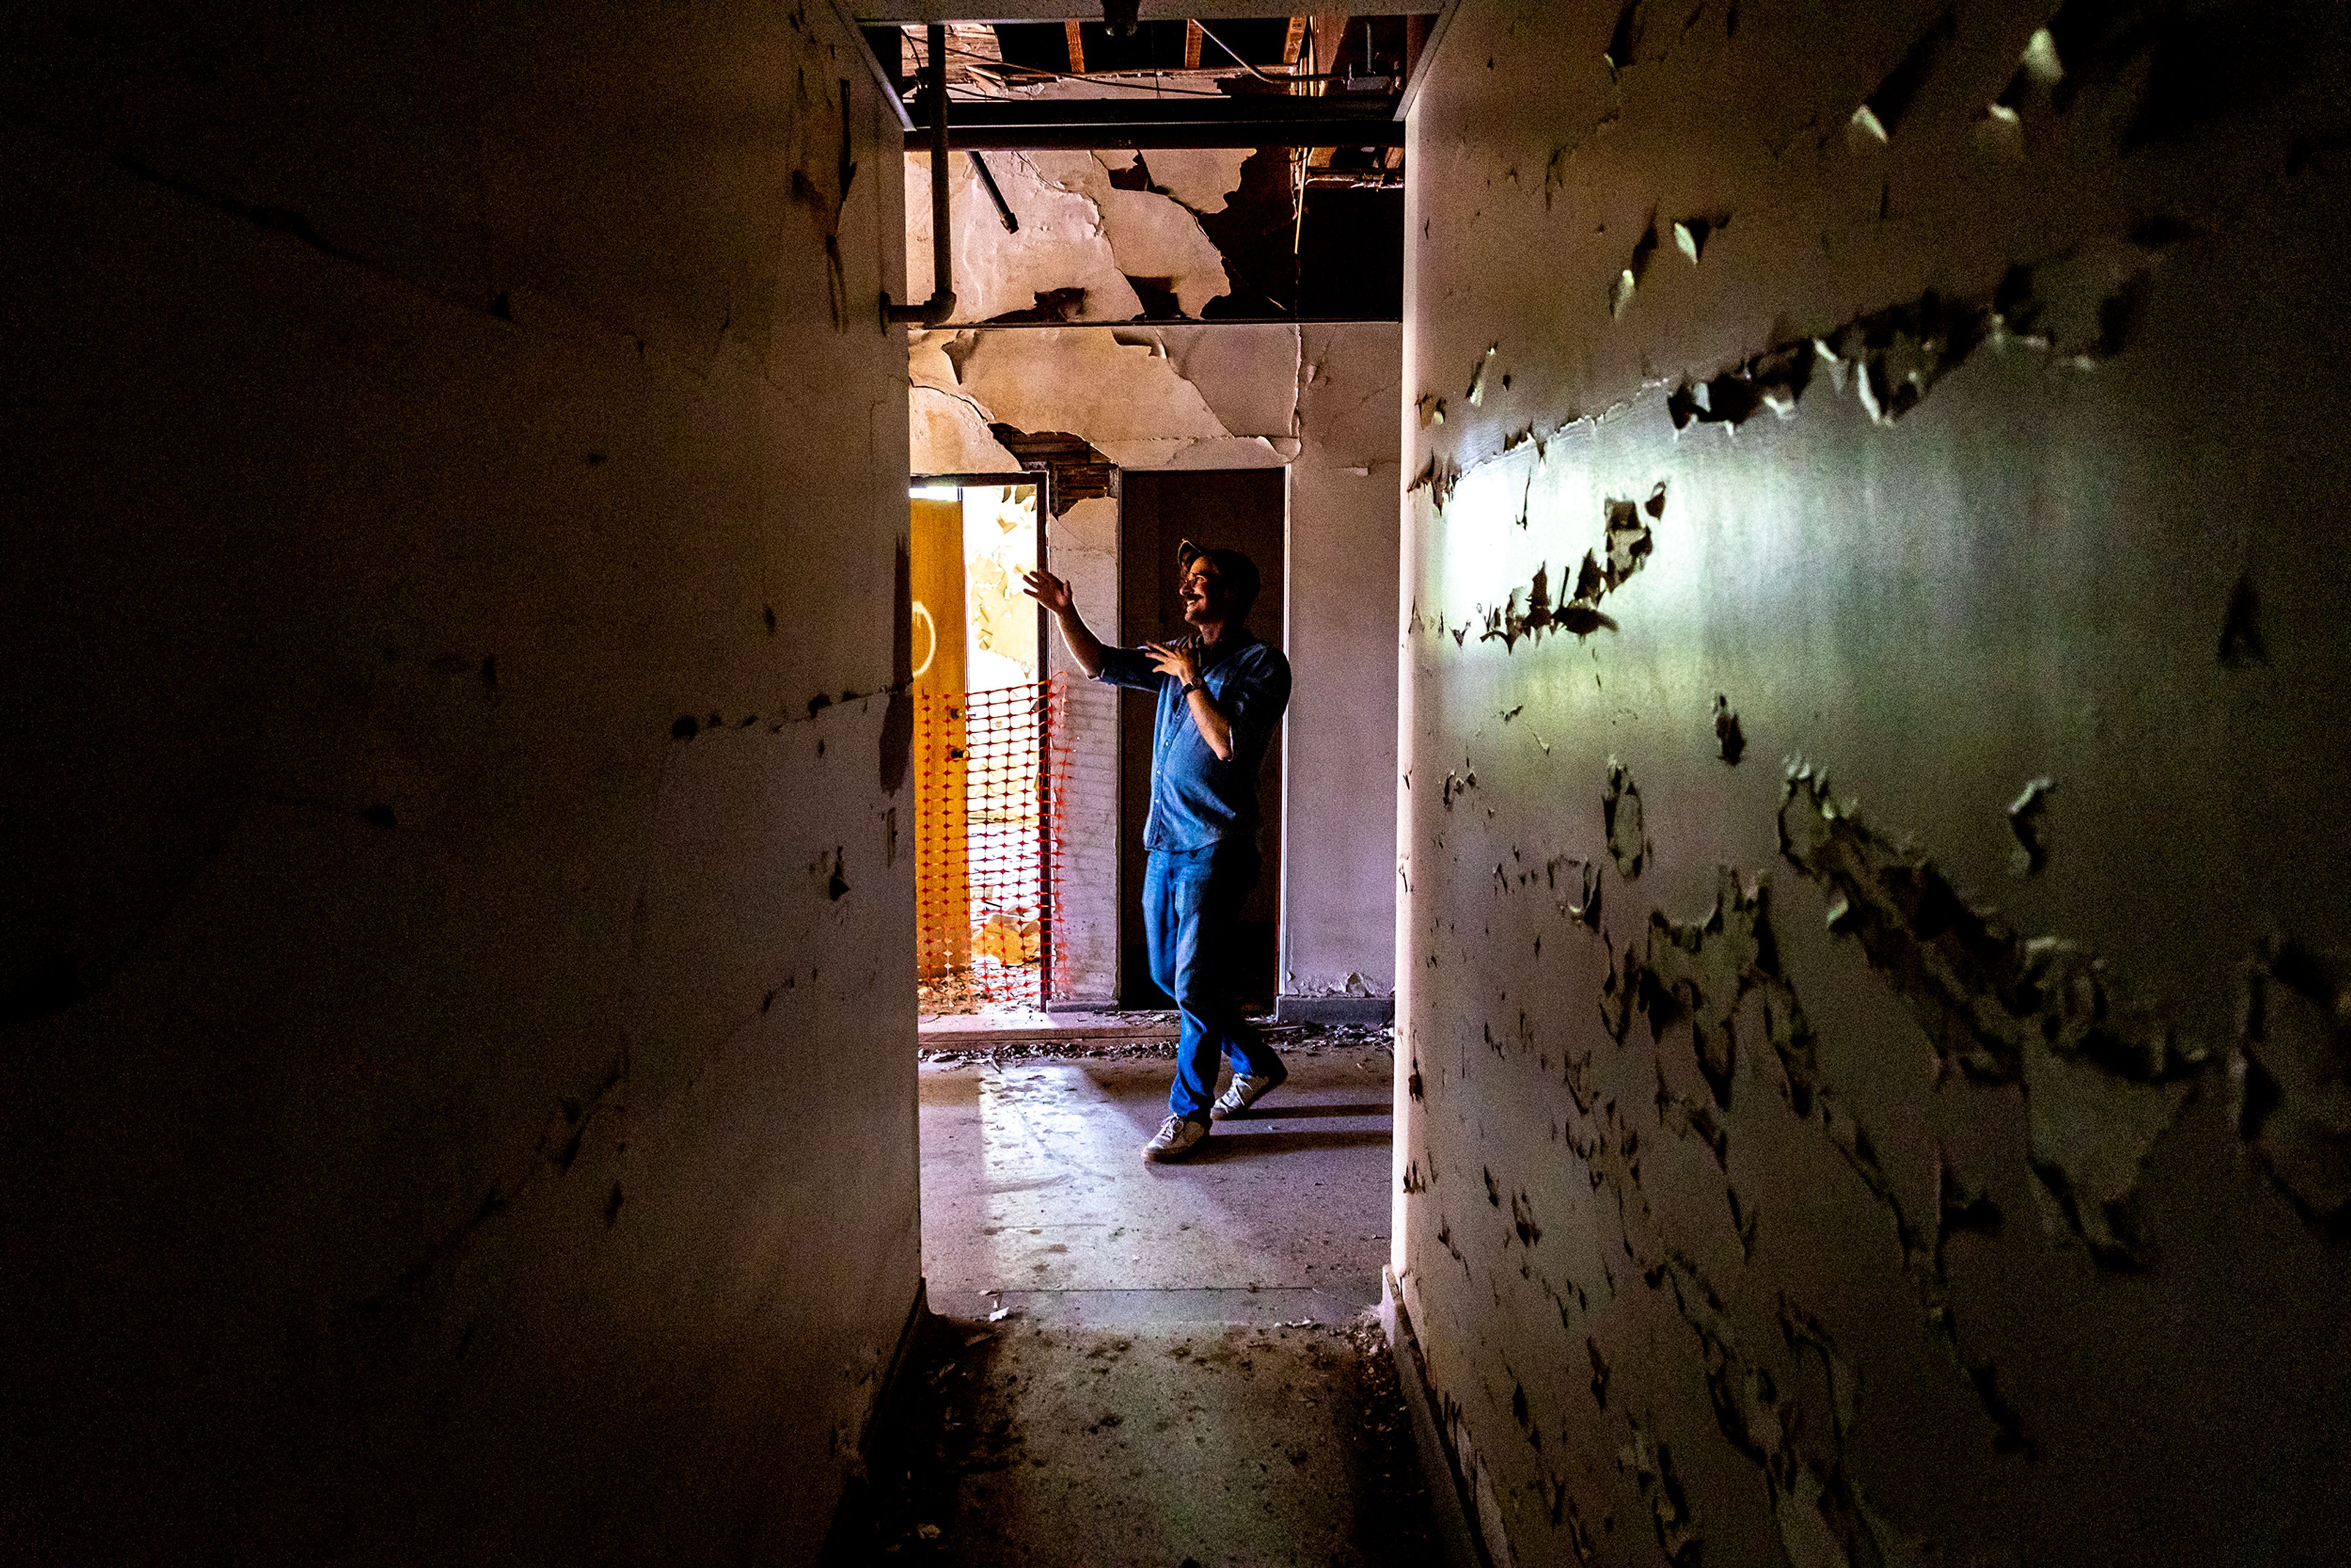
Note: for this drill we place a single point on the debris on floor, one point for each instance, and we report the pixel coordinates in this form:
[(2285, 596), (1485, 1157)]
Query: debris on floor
[(1309, 1038), (1219, 1443)]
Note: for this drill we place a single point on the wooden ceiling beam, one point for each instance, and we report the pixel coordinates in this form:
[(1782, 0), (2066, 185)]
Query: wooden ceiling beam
[(1077, 47), (1192, 39)]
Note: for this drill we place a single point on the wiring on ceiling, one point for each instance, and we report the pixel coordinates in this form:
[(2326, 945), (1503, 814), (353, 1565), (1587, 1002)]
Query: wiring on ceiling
[(1039, 76), (1284, 80)]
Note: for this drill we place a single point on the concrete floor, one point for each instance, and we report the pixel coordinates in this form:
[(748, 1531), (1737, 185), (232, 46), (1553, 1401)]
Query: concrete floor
[(1135, 1364), (1032, 1179)]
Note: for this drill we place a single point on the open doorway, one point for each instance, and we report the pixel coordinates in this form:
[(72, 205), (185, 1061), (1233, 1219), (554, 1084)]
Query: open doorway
[(1242, 509), (982, 811)]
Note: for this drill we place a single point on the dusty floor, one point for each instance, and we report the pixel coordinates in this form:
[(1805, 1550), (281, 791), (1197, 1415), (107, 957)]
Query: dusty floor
[(1148, 1365)]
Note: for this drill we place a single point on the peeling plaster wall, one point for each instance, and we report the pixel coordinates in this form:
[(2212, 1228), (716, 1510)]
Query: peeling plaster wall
[(1338, 838), (456, 928), (1872, 980), (1145, 397), (1079, 230)]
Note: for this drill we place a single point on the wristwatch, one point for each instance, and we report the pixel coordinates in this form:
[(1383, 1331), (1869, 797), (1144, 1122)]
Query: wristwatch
[(1194, 686)]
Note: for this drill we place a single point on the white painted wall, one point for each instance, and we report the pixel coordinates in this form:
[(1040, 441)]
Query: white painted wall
[(1338, 832), (1082, 545)]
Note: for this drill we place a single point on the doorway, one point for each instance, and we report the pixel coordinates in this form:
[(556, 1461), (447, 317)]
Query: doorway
[(982, 813), (1244, 509)]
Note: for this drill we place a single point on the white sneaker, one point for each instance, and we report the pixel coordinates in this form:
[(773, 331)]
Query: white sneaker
[(1244, 1090), (1177, 1136)]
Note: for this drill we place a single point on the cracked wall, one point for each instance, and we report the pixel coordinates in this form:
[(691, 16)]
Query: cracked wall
[(456, 925), (1873, 908)]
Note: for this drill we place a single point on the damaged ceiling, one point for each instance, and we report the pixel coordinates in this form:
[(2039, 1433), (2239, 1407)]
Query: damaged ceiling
[(1143, 397), (1248, 170)]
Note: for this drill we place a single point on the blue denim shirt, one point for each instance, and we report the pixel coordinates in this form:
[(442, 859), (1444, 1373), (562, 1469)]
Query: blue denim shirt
[(1196, 799)]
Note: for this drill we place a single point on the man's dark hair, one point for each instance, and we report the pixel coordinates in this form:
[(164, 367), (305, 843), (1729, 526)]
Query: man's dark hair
[(1239, 574)]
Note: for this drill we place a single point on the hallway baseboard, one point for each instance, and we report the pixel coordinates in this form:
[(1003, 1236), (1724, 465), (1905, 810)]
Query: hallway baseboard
[(1458, 1545), (1357, 1011), (888, 1407)]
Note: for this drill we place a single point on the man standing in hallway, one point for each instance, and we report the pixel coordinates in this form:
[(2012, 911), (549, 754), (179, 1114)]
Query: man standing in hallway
[(1221, 691)]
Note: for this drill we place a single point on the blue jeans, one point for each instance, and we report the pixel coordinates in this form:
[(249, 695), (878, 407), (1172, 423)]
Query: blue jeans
[(1191, 919)]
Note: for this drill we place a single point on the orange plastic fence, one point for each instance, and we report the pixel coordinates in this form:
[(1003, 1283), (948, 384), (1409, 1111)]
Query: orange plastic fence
[(984, 792)]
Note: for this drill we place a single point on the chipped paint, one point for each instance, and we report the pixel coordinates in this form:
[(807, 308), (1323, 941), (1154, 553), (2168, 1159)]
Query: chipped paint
[(2290, 1077), (2103, 1076), (1145, 397), (1895, 1226)]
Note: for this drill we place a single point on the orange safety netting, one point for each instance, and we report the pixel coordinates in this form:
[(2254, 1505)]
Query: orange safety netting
[(983, 817)]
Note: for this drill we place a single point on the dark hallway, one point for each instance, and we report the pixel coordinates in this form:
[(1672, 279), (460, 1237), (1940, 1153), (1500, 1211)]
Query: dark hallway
[(1818, 596)]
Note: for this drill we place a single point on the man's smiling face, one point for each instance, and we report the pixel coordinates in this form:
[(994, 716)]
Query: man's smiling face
[(1203, 592)]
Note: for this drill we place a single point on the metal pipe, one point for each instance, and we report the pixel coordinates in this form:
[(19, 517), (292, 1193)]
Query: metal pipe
[(940, 306), (1003, 207)]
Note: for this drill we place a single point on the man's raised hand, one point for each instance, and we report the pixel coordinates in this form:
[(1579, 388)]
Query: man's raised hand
[(1048, 590), (1172, 659)]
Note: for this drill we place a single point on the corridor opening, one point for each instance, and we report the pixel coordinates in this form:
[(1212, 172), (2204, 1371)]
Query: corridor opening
[(983, 718), (1191, 347)]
